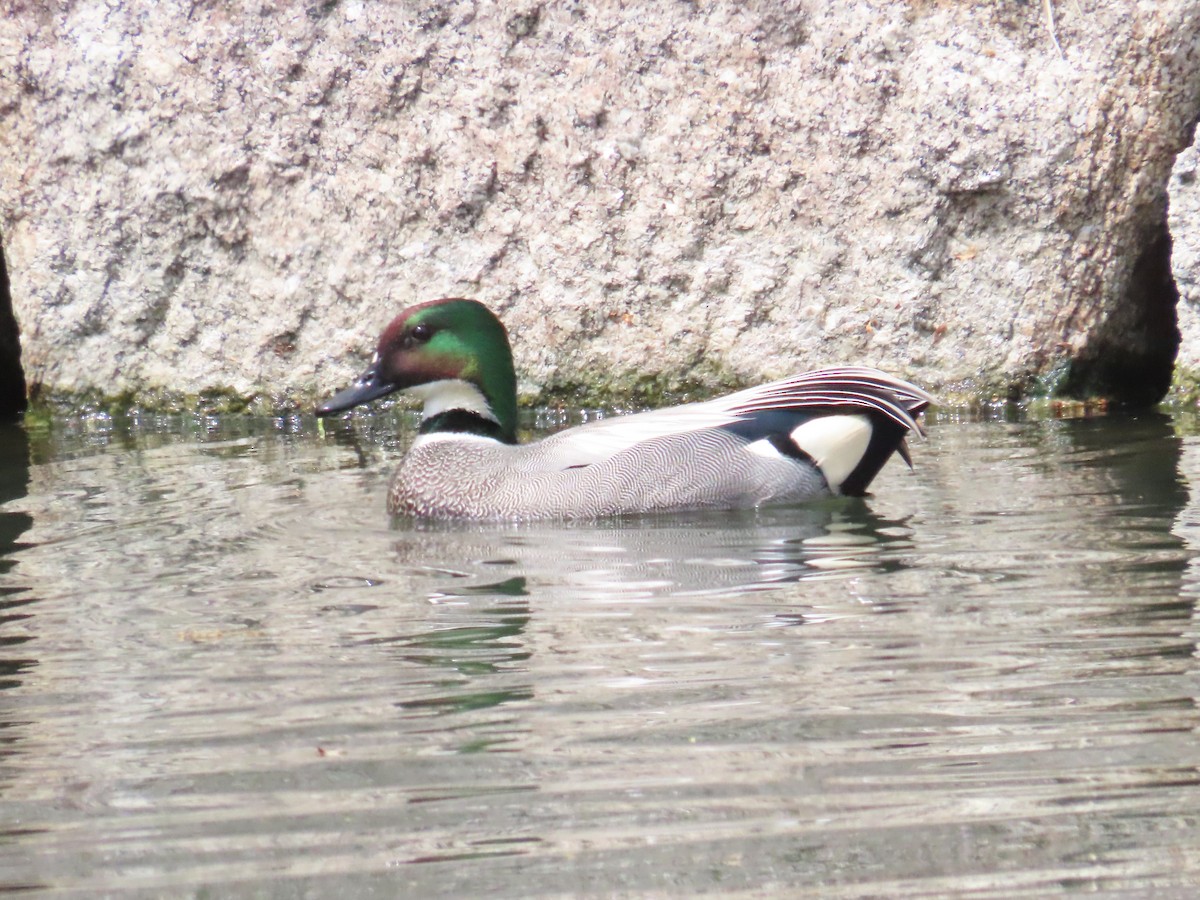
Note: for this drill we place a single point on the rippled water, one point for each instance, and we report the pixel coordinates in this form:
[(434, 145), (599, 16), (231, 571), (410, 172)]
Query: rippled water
[(223, 673)]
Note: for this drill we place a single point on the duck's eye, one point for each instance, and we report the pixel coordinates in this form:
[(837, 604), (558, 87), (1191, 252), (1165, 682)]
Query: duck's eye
[(420, 334)]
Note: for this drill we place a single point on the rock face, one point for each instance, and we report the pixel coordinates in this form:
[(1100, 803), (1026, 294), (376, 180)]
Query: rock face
[(12, 377), (238, 196), (1184, 221)]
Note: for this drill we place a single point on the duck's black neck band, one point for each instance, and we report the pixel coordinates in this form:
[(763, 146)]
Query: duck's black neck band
[(462, 421)]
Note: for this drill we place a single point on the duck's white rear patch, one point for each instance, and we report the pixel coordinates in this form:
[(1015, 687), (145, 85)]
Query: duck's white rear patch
[(764, 448), (835, 443)]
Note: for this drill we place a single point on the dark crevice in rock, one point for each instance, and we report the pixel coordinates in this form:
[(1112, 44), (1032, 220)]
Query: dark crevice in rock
[(1131, 357), (12, 377)]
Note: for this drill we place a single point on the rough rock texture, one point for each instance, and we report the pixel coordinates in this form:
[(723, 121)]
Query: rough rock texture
[(12, 377), (201, 195), (1184, 220)]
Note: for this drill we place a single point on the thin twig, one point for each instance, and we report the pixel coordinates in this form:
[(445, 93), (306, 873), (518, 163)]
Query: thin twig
[(1053, 37)]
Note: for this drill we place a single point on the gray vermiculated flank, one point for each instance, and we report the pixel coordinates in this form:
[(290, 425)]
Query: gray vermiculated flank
[(464, 478)]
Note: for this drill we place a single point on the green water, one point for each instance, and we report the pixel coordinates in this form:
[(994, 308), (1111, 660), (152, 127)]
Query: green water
[(223, 673)]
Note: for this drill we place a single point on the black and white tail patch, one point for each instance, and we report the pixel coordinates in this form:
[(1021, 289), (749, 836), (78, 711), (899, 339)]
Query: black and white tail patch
[(836, 444)]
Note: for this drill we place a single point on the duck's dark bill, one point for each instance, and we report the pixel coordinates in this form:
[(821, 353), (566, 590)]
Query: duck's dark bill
[(368, 387)]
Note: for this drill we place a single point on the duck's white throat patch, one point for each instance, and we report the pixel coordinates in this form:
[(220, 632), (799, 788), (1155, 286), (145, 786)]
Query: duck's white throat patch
[(451, 393)]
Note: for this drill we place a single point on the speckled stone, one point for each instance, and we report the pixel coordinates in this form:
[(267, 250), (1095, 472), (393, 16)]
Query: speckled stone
[(1184, 223), (238, 196)]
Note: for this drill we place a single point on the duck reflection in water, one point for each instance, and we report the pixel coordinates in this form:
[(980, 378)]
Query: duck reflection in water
[(624, 559)]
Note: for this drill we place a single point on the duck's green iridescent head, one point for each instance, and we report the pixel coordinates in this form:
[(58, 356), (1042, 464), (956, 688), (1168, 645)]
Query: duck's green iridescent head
[(453, 353)]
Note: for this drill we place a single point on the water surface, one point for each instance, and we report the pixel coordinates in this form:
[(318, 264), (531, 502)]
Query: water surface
[(224, 672)]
